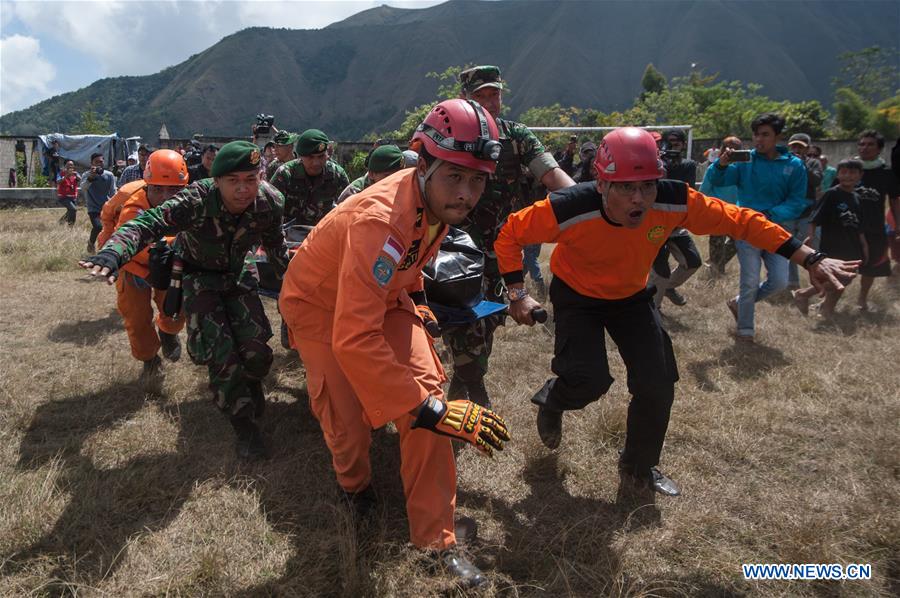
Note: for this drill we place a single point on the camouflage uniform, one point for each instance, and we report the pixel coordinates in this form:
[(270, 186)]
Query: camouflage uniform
[(307, 199), (227, 326), (355, 186), (505, 191), (271, 167)]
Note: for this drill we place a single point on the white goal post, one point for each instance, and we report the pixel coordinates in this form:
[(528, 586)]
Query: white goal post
[(688, 128)]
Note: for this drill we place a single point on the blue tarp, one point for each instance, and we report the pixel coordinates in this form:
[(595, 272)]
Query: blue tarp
[(79, 148)]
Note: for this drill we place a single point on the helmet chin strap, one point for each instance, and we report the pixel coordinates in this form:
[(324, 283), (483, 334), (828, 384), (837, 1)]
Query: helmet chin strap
[(424, 178)]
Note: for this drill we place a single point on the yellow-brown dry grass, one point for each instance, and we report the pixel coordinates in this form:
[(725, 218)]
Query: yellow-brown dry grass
[(787, 451)]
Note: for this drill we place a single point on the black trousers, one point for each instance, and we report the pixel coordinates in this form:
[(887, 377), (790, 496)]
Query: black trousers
[(580, 364)]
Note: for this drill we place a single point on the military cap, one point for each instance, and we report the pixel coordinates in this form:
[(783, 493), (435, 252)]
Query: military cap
[(312, 141), (477, 77), (284, 138), (384, 158), (237, 156)]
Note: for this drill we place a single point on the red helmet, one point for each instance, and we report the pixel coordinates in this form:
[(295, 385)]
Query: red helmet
[(461, 132), (628, 154), (166, 168)]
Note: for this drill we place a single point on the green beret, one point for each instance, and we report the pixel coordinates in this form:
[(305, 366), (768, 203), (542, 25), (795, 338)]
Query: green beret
[(237, 156), (477, 77), (385, 158), (312, 141), (284, 138)]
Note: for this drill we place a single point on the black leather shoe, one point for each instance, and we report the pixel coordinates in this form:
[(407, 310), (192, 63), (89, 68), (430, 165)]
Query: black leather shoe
[(171, 346), (456, 564), (549, 426), (249, 445), (654, 480)]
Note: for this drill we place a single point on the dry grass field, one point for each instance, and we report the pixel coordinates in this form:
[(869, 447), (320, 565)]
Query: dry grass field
[(787, 452)]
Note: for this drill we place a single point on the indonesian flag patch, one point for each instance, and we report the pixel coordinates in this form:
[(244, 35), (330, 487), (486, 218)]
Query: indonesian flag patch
[(393, 248)]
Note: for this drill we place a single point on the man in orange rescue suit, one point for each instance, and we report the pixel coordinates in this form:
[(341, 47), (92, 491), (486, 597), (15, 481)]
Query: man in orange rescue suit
[(164, 175), (607, 233), (353, 300)]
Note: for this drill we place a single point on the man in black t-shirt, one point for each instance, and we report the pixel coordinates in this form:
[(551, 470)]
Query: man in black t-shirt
[(878, 176), (680, 245)]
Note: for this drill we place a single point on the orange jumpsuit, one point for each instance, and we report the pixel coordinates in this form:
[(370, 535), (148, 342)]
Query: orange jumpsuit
[(369, 360), (109, 215), (134, 293)]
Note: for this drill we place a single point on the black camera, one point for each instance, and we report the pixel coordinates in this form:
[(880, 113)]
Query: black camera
[(264, 123), (668, 153)]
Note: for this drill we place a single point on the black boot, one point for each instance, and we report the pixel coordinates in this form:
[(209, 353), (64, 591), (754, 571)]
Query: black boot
[(549, 421), (362, 503), (285, 337), (457, 390), (478, 393), (249, 445), (258, 396), (171, 346), (455, 563), (151, 374), (469, 377)]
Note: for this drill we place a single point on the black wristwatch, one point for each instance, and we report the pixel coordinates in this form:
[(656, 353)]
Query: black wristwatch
[(813, 258)]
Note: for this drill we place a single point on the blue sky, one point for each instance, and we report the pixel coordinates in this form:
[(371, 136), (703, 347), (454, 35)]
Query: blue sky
[(48, 47)]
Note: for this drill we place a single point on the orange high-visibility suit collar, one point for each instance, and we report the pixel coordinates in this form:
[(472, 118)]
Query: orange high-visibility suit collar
[(109, 215)]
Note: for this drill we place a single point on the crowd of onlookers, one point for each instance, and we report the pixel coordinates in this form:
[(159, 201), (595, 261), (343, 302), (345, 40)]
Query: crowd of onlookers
[(848, 210)]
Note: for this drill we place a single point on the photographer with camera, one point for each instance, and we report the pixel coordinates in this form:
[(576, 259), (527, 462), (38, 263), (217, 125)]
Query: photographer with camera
[(97, 185), (201, 170), (680, 245)]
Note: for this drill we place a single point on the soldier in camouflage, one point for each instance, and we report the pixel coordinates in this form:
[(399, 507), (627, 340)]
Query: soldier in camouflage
[(508, 188), (311, 183), (284, 152), (384, 161), (218, 221)]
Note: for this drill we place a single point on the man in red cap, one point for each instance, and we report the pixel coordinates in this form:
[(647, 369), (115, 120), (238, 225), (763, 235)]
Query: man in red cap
[(354, 303), (607, 235)]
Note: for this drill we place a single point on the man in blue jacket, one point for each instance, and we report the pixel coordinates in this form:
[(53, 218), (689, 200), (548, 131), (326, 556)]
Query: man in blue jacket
[(772, 182)]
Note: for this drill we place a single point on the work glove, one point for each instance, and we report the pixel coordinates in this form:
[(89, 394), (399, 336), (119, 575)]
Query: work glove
[(430, 321), (105, 263), (466, 421)]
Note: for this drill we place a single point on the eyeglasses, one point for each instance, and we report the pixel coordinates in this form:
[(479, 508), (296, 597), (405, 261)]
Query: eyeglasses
[(646, 188)]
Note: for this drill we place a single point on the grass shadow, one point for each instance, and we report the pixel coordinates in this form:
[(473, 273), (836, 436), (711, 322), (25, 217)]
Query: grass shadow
[(561, 543), (86, 332), (742, 362)]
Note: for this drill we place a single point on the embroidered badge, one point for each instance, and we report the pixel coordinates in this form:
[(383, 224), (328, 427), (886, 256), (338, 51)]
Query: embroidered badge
[(656, 234), (321, 147), (412, 255), (383, 270), (393, 248), (254, 157)]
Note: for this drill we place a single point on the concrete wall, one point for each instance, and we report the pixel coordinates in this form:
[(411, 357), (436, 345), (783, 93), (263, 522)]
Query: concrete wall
[(28, 197), (8, 157)]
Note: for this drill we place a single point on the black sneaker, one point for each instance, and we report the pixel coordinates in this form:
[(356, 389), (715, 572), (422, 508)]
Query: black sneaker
[(249, 445), (171, 346), (456, 564), (675, 297)]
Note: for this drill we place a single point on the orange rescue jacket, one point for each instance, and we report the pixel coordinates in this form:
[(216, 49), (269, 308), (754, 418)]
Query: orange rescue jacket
[(363, 259), (604, 260), (109, 215)]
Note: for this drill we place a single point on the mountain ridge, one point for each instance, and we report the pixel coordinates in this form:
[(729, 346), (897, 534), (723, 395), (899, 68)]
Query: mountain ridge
[(361, 74)]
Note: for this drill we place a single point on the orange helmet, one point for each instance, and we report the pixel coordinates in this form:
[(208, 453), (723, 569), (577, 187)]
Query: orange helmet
[(167, 168)]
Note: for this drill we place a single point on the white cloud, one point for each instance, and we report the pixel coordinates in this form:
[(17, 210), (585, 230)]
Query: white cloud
[(24, 72)]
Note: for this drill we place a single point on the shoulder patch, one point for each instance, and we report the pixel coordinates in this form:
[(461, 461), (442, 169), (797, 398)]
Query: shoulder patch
[(576, 204), (393, 248), (383, 270)]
